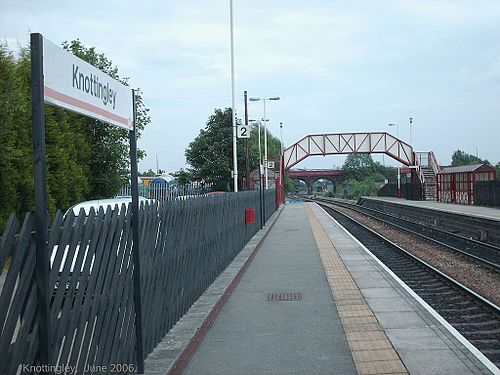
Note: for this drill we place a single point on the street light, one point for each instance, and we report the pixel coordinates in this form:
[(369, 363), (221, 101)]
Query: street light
[(258, 122), (281, 194), (397, 128), (411, 121), (233, 104), (265, 134), (281, 136), (399, 170)]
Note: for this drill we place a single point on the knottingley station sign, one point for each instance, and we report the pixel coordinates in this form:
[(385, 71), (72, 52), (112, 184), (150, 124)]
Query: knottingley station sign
[(76, 85), (61, 79)]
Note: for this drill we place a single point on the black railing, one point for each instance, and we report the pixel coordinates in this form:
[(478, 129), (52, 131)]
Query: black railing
[(184, 246)]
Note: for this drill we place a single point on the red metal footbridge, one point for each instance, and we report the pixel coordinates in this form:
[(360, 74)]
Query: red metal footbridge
[(362, 143)]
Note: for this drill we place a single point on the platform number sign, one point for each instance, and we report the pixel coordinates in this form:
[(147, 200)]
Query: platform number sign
[(270, 164), (243, 131)]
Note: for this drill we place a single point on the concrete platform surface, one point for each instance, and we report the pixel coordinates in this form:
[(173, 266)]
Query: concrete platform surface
[(256, 336), (310, 299), (483, 212)]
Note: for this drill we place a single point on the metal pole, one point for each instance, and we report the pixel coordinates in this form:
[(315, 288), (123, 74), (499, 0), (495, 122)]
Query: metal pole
[(260, 150), (233, 105), (282, 174), (399, 183), (41, 212), (281, 136), (265, 145), (261, 189), (247, 144), (135, 244), (411, 120), (263, 192)]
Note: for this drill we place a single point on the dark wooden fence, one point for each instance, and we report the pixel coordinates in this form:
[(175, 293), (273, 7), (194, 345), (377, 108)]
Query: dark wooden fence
[(487, 193), (184, 246), (410, 191)]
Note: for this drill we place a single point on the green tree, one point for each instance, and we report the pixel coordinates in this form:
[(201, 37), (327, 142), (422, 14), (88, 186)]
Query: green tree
[(182, 176), (289, 184), (358, 166), (354, 189), (84, 156), (210, 154), (361, 166), (149, 173), (460, 157), (9, 92)]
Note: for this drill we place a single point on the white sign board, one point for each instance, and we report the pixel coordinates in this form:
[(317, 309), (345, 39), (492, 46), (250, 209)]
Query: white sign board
[(243, 131), (74, 84), (270, 164)]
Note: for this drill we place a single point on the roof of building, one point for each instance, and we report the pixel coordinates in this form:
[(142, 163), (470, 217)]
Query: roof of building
[(467, 168)]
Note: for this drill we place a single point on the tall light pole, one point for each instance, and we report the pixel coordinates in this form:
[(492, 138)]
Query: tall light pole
[(411, 121), (281, 188), (397, 129), (265, 135), (233, 105), (260, 150), (399, 170), (281, 136)]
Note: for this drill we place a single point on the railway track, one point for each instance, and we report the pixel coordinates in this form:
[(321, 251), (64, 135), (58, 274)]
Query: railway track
[(483, 253), (477, 319)]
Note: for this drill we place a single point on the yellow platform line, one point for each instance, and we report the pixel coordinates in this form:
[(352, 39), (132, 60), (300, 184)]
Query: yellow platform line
[(371, 350)]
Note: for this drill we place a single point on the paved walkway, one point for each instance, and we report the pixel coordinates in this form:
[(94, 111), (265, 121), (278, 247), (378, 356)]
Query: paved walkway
[(256, 336)]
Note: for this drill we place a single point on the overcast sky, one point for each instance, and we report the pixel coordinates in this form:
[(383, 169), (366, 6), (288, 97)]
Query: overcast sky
[(338, 66)]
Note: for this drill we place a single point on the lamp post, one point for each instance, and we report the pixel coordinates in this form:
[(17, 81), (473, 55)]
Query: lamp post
[(265, 134), (281, 136), (399, 170), (260, 151), (411, 121), (233, 105), (281, 194), (397, 129), (261, 189)]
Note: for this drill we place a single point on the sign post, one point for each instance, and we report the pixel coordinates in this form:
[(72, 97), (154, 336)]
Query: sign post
[(63, 80), (135, 236), (41, 212)]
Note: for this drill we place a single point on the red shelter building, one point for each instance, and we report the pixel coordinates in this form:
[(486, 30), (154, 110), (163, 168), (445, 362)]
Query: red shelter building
[(456, 184)]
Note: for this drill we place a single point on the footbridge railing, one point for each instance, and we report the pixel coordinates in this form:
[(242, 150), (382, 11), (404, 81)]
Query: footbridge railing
[(348, 143)]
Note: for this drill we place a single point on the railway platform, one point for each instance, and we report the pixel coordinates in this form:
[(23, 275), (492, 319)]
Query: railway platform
[(480, 223), (461, 209), (305, 297)]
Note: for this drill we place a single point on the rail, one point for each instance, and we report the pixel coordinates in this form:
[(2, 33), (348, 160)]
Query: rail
[(476, 318), (478, 251)]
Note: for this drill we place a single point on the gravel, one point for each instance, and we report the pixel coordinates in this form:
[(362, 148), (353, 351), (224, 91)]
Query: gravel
[(480, 279)]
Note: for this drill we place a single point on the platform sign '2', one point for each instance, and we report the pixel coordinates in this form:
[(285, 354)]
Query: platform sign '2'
[(243, 131)]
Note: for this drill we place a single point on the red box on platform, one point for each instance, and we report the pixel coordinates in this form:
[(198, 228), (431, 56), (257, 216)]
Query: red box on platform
[(250, 216)]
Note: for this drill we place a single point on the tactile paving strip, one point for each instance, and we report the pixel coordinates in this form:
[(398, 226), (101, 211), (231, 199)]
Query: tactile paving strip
[(371, 350)]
